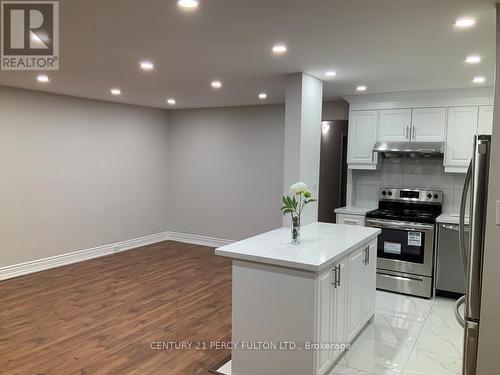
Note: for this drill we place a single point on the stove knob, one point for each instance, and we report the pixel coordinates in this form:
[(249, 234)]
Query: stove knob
[(436, 196), (389, 193), (384, 192), (429, 196)]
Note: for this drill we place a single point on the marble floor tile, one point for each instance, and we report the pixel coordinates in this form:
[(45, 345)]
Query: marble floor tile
[(342, 370), (425, 363), (403, 307), (377, 357), (393, 330), (442, 301), (441, 340), (443, 315)]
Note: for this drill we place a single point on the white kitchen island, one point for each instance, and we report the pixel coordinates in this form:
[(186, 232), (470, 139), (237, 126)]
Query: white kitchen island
[(288, 299)]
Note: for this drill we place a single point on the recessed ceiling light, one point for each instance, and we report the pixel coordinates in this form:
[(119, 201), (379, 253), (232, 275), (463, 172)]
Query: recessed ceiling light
[(473, 59), (147, 65), (216, 84), (361, 88), (279, 49), (262, 96), (479, 79), (188, 4), (330, 73), (171, 101), (42, 78), (115, 91), (465, 22)]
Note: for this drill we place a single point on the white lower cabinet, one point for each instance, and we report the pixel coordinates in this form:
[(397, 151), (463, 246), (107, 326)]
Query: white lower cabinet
[(346, 301), (325, 320), (361, 299)]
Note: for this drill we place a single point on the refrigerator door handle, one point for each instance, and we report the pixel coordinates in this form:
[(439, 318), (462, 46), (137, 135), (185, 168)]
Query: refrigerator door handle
[(461, 223), (478, 201)]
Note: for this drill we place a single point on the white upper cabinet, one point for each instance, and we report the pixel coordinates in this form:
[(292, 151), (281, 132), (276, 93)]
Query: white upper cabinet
[(395, 125), (451, 117), (428, 125), (362, 138), (462, 125), (485, 125)]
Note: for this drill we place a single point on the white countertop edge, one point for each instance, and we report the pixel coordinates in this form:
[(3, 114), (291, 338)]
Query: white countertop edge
[(354, 210), (450, 219), (297, 265)]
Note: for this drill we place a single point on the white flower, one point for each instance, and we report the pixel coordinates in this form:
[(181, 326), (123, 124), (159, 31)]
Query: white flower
[(298, 188)]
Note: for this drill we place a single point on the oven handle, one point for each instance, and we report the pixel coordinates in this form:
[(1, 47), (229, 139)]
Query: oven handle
[(398, 225), (402, 278)]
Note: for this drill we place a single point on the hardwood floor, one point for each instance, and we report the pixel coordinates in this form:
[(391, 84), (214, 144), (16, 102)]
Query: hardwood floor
[(101, 316)]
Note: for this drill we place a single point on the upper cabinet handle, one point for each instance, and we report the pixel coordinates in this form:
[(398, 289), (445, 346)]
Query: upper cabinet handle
[(414, 133)]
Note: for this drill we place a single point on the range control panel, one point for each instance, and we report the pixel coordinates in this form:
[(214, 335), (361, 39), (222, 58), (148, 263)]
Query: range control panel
[(411, 195)]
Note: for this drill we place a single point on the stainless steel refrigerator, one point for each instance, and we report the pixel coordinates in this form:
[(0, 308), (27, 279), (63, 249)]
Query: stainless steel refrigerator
[(332, 169), (476, 193)]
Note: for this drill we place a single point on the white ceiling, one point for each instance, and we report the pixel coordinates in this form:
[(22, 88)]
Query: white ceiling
[(389, 45)]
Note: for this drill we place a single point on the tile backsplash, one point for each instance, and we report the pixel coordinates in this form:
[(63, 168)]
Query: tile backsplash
[(411, 173)]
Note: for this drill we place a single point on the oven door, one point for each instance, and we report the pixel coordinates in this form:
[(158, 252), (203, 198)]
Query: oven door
[(404, 247)]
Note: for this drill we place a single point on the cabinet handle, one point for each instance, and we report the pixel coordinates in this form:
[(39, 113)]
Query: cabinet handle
[(414, 133), (351, 221), (334, 283), (406, 132), (367, 255), (338, 275)]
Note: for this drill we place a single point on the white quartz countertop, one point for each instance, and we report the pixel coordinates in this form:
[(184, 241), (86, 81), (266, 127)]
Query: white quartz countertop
[(450, 219), (354, 210), (322, 244)]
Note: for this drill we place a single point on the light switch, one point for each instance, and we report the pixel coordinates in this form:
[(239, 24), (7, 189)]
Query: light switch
[(498, 212)]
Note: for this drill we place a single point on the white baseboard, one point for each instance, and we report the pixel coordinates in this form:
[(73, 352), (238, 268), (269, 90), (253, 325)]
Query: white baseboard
[(198, 240), (38, 265)]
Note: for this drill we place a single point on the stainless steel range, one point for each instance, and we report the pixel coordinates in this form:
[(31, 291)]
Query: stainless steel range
[(405, 250)]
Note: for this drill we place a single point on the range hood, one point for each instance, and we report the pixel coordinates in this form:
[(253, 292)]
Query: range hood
[(409, 149)]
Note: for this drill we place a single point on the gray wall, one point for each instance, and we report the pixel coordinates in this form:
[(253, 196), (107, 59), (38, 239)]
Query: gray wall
[(226, 170), (335, 110), (78, 173), (489, 329)]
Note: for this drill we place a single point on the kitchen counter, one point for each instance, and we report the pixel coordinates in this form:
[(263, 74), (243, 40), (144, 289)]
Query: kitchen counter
[(354, 210), (319, 292), (450, 219), (321, 245)]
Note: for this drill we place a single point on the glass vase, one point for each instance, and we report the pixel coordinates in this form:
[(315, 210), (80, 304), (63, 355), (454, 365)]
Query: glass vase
[(295, 230)]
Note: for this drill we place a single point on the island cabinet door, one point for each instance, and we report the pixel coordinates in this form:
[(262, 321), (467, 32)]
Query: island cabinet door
[(325, 321), (339, 307), (370, 274), (356, 293)]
